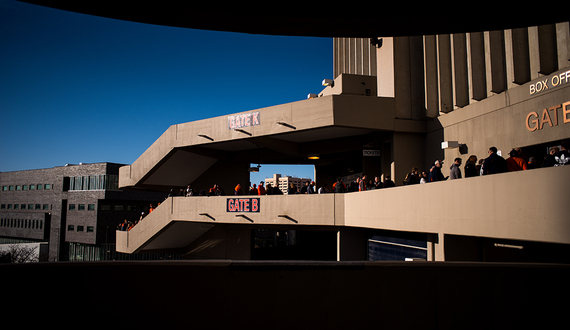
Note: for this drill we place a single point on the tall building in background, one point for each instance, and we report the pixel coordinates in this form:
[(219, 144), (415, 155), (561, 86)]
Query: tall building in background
[(74, 210), (284, 182)]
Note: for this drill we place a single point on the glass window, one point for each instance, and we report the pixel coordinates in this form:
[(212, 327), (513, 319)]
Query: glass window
[(16, 206), (18, 188), (118, 207), (23, 206), (32, 187), (81, 207), (71, 207), (79, 228), (39, 186), (105, 207), (45, 206), (91, 207), (25, 187), (70, 227), (4, 188), (30, 206), (11, 188), (89, 229), (47, 186), (38, 206)]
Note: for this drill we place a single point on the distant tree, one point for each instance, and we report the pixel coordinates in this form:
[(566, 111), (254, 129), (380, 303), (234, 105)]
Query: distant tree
[(19, 253)]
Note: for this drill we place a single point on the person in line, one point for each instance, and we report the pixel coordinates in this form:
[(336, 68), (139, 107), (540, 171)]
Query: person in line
[(311, 188), (292, 189), (563, 156), (412, 177), (323, 189), (494, 164), (532, 164), (253, 189), (549, 160), (261, 189), (238, 190), (515, 162), (423, 177), (471, 167), (435, 172), (378, 183), (362, 183), (339, 186), (455, 171), (388, 183)]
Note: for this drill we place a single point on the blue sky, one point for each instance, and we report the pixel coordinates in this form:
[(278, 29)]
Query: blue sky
[(79, 88)]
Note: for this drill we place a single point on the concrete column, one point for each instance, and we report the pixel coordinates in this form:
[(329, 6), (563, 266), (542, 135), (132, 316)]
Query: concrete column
[(385, 68), (402, 77), (435, 247), (351, 244), (461, 76), (548, 49), (519, 56), (445, 73), (563, 41), (431, 76), (497, 68), (533, 52), (478, 61)]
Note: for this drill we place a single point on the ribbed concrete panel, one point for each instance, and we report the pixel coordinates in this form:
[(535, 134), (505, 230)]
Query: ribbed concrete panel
[(548, 49), (445, 73), (521, 56), (497, 70), (478, 75), (431, 76), (460, 70)]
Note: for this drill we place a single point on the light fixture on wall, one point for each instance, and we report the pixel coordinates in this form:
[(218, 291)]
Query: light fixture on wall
[(449, 144), (313, 156), (255, 169), (463, 149), (312, 96), (328, 82)]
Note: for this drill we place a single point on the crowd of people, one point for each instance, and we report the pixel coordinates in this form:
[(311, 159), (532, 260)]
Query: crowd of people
[(492, 164), (128, 225)]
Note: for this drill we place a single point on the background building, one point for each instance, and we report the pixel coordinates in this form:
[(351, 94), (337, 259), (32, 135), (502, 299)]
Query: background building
[(74, 208), (283, 182)]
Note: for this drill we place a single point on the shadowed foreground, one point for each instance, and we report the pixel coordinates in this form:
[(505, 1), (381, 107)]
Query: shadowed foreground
[(285, 295)]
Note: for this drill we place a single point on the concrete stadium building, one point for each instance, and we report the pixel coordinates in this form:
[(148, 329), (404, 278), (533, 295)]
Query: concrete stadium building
[(406, 81), (395, 103)]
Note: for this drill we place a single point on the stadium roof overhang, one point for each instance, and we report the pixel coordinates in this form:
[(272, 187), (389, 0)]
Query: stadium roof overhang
[(318, 20)]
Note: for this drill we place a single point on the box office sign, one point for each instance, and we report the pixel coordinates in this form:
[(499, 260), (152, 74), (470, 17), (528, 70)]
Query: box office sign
[(242, 205), (243, 120)]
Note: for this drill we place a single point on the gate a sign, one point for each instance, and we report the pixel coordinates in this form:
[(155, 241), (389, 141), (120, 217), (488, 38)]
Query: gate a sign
[(242, 205)]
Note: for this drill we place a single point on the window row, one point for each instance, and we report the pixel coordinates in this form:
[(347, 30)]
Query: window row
[(93, 182), (22, 223), (44, 207), (81, 207), (46, 186), (90, 229)]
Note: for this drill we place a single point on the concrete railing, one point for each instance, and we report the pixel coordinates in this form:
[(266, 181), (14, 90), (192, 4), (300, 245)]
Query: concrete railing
[(526, 205)]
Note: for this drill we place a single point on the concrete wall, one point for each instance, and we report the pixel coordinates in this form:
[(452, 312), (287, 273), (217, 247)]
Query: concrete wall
[(526, 205), (501, 121)]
